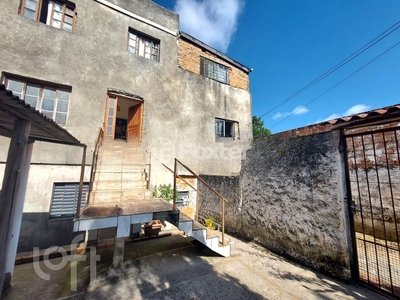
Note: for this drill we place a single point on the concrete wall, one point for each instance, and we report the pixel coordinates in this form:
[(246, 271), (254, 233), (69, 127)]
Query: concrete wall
[(180, 106), (290, 197), (95, 57)]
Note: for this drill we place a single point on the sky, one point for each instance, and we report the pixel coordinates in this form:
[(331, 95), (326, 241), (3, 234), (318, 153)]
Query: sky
[(290, 43)]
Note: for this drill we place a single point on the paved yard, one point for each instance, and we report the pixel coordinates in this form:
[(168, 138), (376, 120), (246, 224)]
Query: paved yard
[(177, 268)]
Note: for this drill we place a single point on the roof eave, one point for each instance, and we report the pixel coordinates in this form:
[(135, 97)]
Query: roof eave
[(214, 51)]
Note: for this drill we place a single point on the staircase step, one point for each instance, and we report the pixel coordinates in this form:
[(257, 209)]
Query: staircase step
[(103, 176), (119, 196), (119, 185), (204, 235), (122, 168)]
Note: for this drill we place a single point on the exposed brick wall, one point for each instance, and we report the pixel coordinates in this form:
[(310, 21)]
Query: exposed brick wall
[(189, 60), (374, 172)]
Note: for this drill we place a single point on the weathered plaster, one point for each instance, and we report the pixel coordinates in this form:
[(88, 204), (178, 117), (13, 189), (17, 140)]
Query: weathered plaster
[(290, 197)]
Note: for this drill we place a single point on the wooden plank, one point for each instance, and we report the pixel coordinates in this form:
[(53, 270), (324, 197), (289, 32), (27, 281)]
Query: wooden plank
[(16, 153)]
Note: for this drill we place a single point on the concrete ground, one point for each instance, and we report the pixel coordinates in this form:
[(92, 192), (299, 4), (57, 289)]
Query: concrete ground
[(178, 267)]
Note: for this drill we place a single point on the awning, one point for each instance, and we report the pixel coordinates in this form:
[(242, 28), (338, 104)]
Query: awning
[(42, 128)]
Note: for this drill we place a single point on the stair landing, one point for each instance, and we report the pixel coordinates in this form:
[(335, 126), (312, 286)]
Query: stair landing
[(106, 210)]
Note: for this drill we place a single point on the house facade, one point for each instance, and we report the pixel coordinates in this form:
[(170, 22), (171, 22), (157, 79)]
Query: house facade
[(125, 68)]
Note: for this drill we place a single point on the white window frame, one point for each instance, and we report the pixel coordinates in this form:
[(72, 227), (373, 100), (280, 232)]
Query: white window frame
[(143, 45), (60, 101), (64, 18)]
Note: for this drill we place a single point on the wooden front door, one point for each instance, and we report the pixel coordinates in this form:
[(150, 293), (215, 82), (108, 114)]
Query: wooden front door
[(135, 123)]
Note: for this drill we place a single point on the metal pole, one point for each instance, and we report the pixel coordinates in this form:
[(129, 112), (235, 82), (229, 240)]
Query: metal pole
[(175, 173), (78, 206), (223, 221)]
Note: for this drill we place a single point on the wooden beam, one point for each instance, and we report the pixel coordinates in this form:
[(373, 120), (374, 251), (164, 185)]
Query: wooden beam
[(16, 153)]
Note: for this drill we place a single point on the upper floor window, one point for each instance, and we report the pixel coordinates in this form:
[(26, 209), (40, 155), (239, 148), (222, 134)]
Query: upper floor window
[(226, 129), (51, 101), (213, 70), (60, 14), (143, 45)]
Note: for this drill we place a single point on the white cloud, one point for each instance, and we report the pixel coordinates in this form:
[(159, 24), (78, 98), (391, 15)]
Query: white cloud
[(299, 110), (214, 22), (356, 109)]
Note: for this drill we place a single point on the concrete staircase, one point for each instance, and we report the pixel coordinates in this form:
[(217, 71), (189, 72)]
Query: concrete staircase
[(121, 178), (121, 174), (209, 238)]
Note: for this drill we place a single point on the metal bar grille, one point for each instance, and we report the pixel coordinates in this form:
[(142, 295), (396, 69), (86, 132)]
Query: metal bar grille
[(374, 175)]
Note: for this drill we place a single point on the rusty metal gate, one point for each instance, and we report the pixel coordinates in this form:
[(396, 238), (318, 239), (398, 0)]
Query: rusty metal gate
[(374, 175)]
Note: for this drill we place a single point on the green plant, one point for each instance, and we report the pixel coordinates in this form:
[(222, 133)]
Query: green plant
[(258, 128), (210, 223), (164, 191)]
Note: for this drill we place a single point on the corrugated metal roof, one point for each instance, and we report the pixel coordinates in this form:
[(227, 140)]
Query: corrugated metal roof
[(42, 128)]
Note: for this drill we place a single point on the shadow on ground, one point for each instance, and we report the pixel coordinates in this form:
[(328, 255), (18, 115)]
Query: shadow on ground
[(178, 267)]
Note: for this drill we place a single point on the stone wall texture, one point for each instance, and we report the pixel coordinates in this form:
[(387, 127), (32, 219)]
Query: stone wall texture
[(290, 197), (189, 60)]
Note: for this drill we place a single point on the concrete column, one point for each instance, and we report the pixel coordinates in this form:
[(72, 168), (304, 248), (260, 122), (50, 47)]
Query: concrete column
[(16, 155), (118, 258), (16, 214)]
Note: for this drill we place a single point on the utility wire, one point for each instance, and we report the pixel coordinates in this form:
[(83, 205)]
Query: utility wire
[(331, 88), (341, 64)]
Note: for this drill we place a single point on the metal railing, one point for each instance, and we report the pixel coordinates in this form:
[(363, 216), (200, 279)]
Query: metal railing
[(99, 142), (176, 175), (223, 200)]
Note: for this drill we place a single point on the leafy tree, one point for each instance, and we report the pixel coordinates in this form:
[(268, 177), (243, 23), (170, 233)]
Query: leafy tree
[(258, 128)]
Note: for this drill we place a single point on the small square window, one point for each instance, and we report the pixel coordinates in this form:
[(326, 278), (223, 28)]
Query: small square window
[(213, 70), (226, 129), (143, 45)]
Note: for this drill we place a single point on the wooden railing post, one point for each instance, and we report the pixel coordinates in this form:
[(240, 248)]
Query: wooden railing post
[(175, 175)]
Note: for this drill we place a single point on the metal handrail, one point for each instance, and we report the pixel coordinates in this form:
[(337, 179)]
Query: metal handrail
[(223, 200), (99, 141), (176, 175)]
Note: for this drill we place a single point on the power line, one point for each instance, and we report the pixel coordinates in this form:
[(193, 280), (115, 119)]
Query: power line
[(331, 88), (364, 48)]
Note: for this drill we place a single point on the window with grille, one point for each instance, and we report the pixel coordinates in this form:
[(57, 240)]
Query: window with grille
[(60, 14), (226, 129), (65, 199), (51, 101), (213, 70), (143, 45)]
